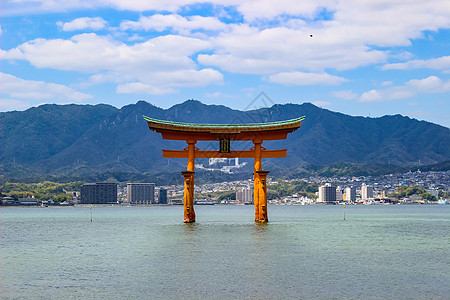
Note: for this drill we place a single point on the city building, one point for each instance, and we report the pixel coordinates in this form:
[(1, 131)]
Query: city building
[(28, 201), (162, 198), (245, 195), (327, 194), (366, 192), (8, 201), (141, 193), (176, 201), (339, 194), (350, 194), (99, 193)]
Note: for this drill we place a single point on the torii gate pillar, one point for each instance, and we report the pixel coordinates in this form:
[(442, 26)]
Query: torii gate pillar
[(189, 213), (261, 186)]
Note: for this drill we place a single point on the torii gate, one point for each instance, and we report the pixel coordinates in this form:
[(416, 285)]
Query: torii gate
[(224, 133)]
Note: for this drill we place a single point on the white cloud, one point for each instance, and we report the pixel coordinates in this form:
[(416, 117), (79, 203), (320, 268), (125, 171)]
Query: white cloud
[(251, 9), (268, 9), (175, 22), (92, 53), (142, 88), (440, 63), (164, 61), (13, 104), (371, 96), (157, 5), (300, 78), (219, 95), (349, 39), (135, 37), (372, 16), (22, 7), (429, 85), (249, 50), (11, 54), (189, 78), (19, 88), (322, 103), (83, 23), (271, 38), (374, 22), (403, 55), (345, 94)]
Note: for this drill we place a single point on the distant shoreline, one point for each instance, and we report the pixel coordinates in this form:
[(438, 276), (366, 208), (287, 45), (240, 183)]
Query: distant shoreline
[(220, 204)]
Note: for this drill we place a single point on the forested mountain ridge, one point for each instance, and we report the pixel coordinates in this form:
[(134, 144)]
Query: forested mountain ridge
[(77, 139)]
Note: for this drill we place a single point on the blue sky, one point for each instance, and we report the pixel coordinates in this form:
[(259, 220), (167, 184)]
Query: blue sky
[(368, 58)]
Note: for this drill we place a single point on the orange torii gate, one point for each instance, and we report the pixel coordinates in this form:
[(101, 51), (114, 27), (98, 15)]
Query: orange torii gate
[(224, 133)]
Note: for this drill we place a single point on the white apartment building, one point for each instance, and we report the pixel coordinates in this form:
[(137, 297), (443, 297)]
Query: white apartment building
[(366, 192), (327, 194)]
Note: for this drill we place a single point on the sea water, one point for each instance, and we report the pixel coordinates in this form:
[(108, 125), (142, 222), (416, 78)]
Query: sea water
[(304, 252)]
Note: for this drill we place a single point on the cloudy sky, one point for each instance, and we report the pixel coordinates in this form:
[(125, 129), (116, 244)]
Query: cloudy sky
[(368, 58)]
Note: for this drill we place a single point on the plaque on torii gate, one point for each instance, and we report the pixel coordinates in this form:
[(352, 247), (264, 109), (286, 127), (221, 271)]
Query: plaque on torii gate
[(225, 133)]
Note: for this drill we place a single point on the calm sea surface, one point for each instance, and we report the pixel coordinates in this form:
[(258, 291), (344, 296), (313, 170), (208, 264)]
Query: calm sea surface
[(305, 252)]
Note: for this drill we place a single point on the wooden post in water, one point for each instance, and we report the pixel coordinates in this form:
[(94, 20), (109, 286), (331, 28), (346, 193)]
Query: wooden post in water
[(256, 180), (262, 178), (189, 213)]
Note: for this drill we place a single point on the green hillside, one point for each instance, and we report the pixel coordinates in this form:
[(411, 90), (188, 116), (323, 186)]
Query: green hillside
[(80, 141)]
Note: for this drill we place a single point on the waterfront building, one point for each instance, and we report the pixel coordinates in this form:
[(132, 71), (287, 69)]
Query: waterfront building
[(366, 192), (350, 194), (339, 194), (244, 195), (99, 193), (28, 201), (176, 201), (327, 194), (8, 201), (162, 197), (141, 193)]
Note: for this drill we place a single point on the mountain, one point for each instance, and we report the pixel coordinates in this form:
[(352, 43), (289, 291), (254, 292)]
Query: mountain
[(84, 139), (41, 132)]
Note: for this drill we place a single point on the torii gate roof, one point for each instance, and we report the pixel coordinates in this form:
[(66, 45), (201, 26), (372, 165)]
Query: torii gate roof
[(209, 132)]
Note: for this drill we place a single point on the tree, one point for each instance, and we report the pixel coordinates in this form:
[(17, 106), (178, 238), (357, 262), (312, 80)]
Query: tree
[(428, 196), (227, 195), (406, 191)]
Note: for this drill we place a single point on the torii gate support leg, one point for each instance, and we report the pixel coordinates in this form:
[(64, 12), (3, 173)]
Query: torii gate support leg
[(256, 181), (189, 213), (263, 217)]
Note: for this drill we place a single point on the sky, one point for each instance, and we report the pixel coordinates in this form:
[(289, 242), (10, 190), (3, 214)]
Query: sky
[(362, 58)]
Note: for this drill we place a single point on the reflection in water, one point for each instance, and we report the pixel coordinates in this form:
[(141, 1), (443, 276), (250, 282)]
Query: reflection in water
[(260, 229), (190, 228)]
